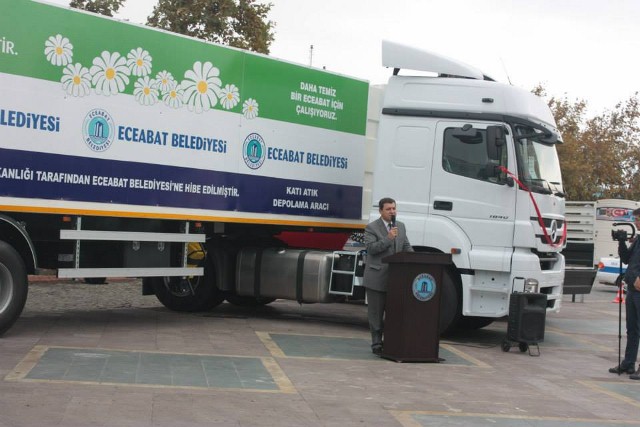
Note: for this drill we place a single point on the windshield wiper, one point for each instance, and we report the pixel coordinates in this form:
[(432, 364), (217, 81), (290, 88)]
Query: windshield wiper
[(556, 192), (540, 189), (538, 186)]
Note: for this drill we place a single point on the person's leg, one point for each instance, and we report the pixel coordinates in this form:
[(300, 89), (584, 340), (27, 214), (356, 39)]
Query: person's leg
[(375, 312), (633, 329)]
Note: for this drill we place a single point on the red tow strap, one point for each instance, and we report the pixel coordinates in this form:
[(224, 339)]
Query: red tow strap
[(535, 205)]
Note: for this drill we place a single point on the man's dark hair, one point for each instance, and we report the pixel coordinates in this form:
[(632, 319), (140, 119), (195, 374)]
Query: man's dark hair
[(636, 213), (386, 200)]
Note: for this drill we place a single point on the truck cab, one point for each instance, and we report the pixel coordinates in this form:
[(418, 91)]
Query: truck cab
[(473, 166)]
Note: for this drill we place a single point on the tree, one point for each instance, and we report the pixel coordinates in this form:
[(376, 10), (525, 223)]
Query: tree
[(103, 7), (238, 23), (622, 124), (600, 156)]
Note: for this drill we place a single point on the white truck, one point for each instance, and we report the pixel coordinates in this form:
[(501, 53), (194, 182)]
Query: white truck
[(217, 173)]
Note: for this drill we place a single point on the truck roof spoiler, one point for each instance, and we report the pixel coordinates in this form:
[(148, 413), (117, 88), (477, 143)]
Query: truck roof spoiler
[(399, 56)]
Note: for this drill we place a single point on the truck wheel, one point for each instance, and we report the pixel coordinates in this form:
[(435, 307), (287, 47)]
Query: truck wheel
[(450, 303), (95, 280), (13, 286), (472, 323), (247, 301), (195, 293)]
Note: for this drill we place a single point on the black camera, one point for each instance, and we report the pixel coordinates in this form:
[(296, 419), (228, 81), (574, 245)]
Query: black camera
[(619, 235)]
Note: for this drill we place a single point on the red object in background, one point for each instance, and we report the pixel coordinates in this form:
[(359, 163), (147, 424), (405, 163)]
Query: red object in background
[(312, 240)]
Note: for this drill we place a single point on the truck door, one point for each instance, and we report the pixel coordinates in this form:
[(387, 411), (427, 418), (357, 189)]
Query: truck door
[(468, 189)]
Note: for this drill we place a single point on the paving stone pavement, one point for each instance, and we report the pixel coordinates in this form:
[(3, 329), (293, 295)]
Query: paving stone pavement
[(104, 355)]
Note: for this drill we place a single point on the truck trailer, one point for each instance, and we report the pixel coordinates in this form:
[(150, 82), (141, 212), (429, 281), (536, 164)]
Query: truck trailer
[(215, 173)]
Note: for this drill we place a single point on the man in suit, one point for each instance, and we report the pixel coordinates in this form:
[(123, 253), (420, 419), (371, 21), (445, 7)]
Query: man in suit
[(631, 256), (382, 237)]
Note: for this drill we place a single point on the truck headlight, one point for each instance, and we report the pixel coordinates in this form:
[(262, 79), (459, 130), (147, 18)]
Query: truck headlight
[(531, 286)]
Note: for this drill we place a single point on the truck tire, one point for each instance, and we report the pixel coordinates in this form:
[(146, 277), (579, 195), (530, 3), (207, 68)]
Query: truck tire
[(451, 302), (473, 323), (247, 301), (190, 294), (13, 286)]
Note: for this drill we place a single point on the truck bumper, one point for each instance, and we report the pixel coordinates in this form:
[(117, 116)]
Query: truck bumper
[(486, 293)]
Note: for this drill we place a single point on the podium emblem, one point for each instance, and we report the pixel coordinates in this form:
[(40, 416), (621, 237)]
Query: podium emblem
[(424, 287)]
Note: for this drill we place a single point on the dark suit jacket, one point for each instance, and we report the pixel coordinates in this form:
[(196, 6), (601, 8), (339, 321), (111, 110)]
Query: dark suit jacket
[(379, 246), (631, 257)]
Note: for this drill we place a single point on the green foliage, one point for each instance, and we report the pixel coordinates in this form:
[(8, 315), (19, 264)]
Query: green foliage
[(103, 7), (239, 23), (600, 156)]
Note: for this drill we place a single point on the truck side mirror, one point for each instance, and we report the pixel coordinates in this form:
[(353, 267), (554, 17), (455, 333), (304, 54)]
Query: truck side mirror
[(496, 139), (492, 173)]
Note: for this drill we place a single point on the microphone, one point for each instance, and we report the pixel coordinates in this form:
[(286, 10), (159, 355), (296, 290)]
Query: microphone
[(393, 220)]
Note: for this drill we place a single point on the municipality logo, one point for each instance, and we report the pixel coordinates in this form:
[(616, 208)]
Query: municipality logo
[(253, 151), (424, 287), (98, 130)]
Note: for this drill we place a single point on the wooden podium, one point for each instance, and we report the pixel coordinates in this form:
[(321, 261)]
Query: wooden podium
[(412, 310)]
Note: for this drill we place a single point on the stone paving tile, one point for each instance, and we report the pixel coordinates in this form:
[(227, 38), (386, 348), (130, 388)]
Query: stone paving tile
[(625, 391), (327, 347), (441, 419), (141, 368)]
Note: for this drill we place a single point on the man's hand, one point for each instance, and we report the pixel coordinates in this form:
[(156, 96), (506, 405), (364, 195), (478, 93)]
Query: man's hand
[(636, 284), (393, 233)]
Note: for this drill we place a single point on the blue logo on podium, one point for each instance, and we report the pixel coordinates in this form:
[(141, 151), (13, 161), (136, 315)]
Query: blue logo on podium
[(424, 287)]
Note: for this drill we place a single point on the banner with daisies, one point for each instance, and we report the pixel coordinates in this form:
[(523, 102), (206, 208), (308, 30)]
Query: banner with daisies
[(92, 56), (216, 128)]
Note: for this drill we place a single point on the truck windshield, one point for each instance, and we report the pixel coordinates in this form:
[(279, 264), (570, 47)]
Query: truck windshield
[(538, 164)]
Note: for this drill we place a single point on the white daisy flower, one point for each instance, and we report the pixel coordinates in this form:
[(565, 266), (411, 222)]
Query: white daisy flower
[(139, 62), (145, 91), (58, 50), (76, 80), (229, 96), (174, 96), (165, 81), (109, 74), (201, 87), (250, 108)]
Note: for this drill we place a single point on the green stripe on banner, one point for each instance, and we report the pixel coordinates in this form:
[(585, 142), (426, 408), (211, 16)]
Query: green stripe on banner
[(48, 42)]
